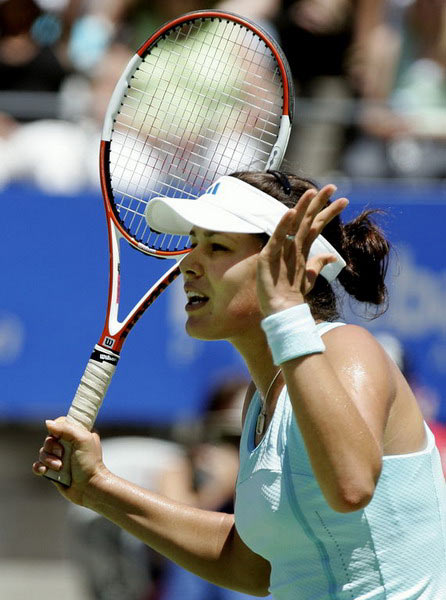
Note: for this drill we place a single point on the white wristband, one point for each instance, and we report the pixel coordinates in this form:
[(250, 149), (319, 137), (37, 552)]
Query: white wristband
[(292, 333)]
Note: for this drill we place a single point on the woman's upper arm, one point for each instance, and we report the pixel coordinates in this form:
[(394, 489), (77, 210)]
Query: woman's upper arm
[(364, 370)]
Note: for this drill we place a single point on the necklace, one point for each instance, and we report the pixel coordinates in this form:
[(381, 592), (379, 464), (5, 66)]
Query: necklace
[(260, 425)]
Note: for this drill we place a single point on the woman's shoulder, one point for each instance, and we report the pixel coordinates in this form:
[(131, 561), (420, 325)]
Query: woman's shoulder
[(353, 343)]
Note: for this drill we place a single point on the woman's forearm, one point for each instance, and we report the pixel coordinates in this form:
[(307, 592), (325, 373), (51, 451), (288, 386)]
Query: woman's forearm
[(203, 542)]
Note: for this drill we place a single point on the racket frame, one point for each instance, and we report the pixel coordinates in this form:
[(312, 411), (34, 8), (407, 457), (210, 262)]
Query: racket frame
[(106, 353)]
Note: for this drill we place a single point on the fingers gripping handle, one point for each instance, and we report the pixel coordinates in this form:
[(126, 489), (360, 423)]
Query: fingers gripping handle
[(87, 402)]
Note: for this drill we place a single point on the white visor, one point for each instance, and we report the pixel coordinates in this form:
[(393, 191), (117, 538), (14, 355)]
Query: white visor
[(233, 206)]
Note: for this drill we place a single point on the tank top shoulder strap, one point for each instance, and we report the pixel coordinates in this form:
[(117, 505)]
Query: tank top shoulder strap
[(328, 326)]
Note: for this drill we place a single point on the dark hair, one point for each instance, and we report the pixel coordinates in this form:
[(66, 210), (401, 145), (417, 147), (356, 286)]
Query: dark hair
[(360, 242)]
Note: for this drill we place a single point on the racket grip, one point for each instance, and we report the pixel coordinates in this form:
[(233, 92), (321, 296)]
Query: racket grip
[(86, 403)]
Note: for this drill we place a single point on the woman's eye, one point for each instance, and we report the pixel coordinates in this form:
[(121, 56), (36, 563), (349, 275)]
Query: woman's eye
[(218, 247), (215, 247)]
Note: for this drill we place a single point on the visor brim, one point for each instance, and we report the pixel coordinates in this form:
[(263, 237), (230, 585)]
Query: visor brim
[(178, 216)]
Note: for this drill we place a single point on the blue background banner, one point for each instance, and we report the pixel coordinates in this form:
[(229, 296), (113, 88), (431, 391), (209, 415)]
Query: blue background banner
[(54, 265)]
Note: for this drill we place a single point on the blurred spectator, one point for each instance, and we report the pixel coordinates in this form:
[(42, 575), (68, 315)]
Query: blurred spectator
[(94, 29), (32, 55), (91, 42), (102, 22), (60, 156), (403, 121), (316, 36), (325, 42)]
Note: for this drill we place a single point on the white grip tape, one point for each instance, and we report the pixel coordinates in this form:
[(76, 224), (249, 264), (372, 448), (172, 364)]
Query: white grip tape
[(91, 391), (87, 402)]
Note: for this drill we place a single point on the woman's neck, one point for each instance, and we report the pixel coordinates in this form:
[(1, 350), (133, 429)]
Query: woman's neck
[(255, 352)]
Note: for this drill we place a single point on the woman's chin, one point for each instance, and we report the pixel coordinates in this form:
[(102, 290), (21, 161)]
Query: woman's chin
[(197, 331)]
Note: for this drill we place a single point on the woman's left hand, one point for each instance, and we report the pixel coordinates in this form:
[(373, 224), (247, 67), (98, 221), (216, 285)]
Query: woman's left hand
[(285, 275)]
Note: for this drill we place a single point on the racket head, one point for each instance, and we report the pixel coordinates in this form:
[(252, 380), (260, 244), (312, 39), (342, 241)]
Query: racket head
[(207, 94)]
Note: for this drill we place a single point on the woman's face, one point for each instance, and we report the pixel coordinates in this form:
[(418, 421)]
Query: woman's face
[(220, 282)]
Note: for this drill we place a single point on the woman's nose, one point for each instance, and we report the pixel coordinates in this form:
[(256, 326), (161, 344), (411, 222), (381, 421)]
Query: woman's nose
[(190, 265)]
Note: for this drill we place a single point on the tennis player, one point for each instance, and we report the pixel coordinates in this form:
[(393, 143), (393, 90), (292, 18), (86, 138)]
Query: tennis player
[(340, 493)]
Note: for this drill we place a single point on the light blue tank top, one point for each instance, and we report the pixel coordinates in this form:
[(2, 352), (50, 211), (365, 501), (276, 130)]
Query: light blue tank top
[(393, 549)]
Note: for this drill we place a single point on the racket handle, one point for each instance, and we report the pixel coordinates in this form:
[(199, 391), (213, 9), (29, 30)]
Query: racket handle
[(87, 402)]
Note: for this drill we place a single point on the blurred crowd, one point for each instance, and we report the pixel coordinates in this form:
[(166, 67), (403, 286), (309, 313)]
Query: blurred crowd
[(370, 79)]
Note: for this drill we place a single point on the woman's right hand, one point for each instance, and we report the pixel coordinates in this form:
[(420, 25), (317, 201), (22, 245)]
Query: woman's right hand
[(86, 457)]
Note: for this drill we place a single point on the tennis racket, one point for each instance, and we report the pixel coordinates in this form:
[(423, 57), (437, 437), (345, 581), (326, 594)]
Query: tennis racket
[(207, 94)]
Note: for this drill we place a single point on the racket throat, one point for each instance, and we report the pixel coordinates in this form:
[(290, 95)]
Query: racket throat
[(279, 148)]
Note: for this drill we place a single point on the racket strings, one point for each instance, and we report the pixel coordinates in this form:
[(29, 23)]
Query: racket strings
[(205, 101), (157, 135), (242, 72), (167, 131), (260, 89)]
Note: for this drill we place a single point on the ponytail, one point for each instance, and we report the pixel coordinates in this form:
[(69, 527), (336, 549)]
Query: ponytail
[(366, 251)]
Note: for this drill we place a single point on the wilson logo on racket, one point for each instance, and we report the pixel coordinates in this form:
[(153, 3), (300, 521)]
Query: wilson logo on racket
[(101, 357)]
